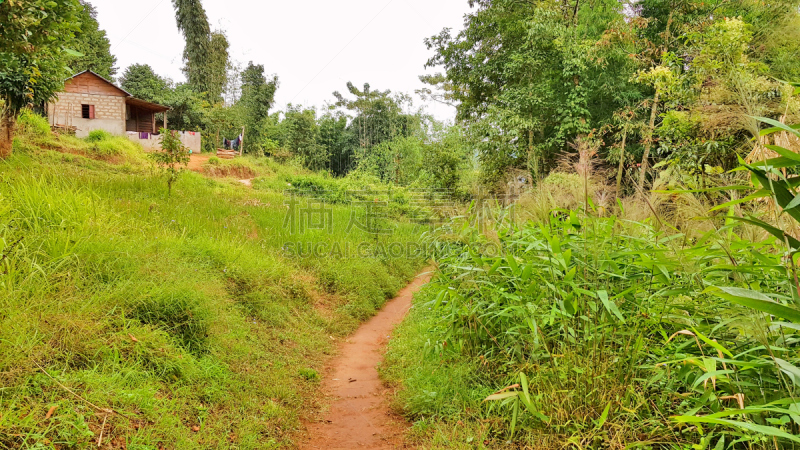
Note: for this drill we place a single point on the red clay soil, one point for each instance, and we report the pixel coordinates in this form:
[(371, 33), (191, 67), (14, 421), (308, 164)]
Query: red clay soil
[(359, 417), (196, 161)]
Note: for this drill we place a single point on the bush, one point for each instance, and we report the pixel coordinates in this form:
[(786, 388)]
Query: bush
[(214, 161), (180, 313), (114, 146), (32, 124), (98, 136)]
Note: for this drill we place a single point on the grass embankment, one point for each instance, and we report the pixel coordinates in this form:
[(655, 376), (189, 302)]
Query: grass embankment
[(599, 332), (183, 315)]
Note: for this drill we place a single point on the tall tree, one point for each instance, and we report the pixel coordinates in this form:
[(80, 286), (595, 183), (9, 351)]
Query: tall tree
[(217, 66), (258, 96), (193, 23), (378, 115), (93, 44), (33, 38), (338, 141), (301, 137), (205, 54)]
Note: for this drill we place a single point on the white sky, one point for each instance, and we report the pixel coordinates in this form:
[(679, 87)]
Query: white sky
[(314, 46)]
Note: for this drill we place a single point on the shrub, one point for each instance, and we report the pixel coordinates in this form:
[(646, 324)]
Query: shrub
[(178, 312), (214, 161), (173, 153), (98, 135), (114, 146), (32, 124)]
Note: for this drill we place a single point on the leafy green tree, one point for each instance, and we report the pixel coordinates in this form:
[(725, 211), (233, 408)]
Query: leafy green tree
[(33, 38), (258, 96), (398, 161), (172, 156), (193, 23), (378, 116), (94, 46), (338, 141), (301, 137), (142, 82), (217, 66), (206, 52), (536, 76), (189, 108)]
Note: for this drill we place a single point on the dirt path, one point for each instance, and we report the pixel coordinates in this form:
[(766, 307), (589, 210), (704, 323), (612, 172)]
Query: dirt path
[(196, 161), (359, 417)]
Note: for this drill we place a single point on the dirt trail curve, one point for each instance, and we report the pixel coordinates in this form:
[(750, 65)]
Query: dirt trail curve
[(359, 417)]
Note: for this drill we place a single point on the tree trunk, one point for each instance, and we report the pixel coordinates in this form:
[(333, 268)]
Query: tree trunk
[(648, 142), (7, 124), (621, 162)]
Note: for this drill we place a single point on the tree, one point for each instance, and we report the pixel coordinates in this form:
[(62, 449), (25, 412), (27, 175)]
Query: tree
[(536, 76), (258, 96), (142, 82), (301, 135), (205, 54), (33, 38), (378, 115), (217, 66), (172, 156), (94, 46), (338, 141), (193, 23), (188, 108)]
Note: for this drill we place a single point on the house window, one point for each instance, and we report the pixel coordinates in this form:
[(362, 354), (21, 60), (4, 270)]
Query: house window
[(87, 111)]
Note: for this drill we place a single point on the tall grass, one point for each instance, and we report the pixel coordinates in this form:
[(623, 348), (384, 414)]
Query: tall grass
[(592, 332), (183, 315)]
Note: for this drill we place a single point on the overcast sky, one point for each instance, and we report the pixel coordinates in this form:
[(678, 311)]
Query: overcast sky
[(314, 46)]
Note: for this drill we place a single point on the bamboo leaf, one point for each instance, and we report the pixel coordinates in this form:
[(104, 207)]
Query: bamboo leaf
[(603, 417), (786, 153), (778, 233), (759, 194), (762, 429), (790, 370), (610, 306), (501, 396), (777, 126), (711, 374), (777, 163), (755, 300)]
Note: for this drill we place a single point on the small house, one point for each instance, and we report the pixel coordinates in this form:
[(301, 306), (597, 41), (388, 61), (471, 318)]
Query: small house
[(90, 102)]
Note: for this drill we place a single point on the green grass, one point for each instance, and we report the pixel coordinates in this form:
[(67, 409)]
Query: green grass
[(184, 314), (601, 333)]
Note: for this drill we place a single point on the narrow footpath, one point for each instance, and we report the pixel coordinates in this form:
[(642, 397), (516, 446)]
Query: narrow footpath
[(359, 417)]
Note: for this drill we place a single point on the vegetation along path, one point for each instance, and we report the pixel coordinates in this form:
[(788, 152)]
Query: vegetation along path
[(359, 416)]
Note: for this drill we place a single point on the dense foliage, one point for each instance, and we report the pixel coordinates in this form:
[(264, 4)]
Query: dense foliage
[(33, 36), (93, 45), (530, 80)]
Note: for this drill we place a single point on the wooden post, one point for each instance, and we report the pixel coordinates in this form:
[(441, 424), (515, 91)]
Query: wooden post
[(241, 144), (165, 121)]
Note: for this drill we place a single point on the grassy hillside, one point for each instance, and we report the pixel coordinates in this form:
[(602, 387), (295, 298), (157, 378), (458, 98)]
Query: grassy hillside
[(183, 315)]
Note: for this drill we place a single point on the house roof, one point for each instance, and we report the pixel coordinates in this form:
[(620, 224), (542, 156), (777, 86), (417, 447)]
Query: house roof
[(131, 100), (155, 107)]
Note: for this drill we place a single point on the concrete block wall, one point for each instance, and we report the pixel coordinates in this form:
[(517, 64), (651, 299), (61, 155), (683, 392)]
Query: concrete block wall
[(105, 106), (109, 113), (192, 140)]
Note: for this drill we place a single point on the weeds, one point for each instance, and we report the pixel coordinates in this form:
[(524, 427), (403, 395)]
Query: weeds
[(593, 332), (182, 313)]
